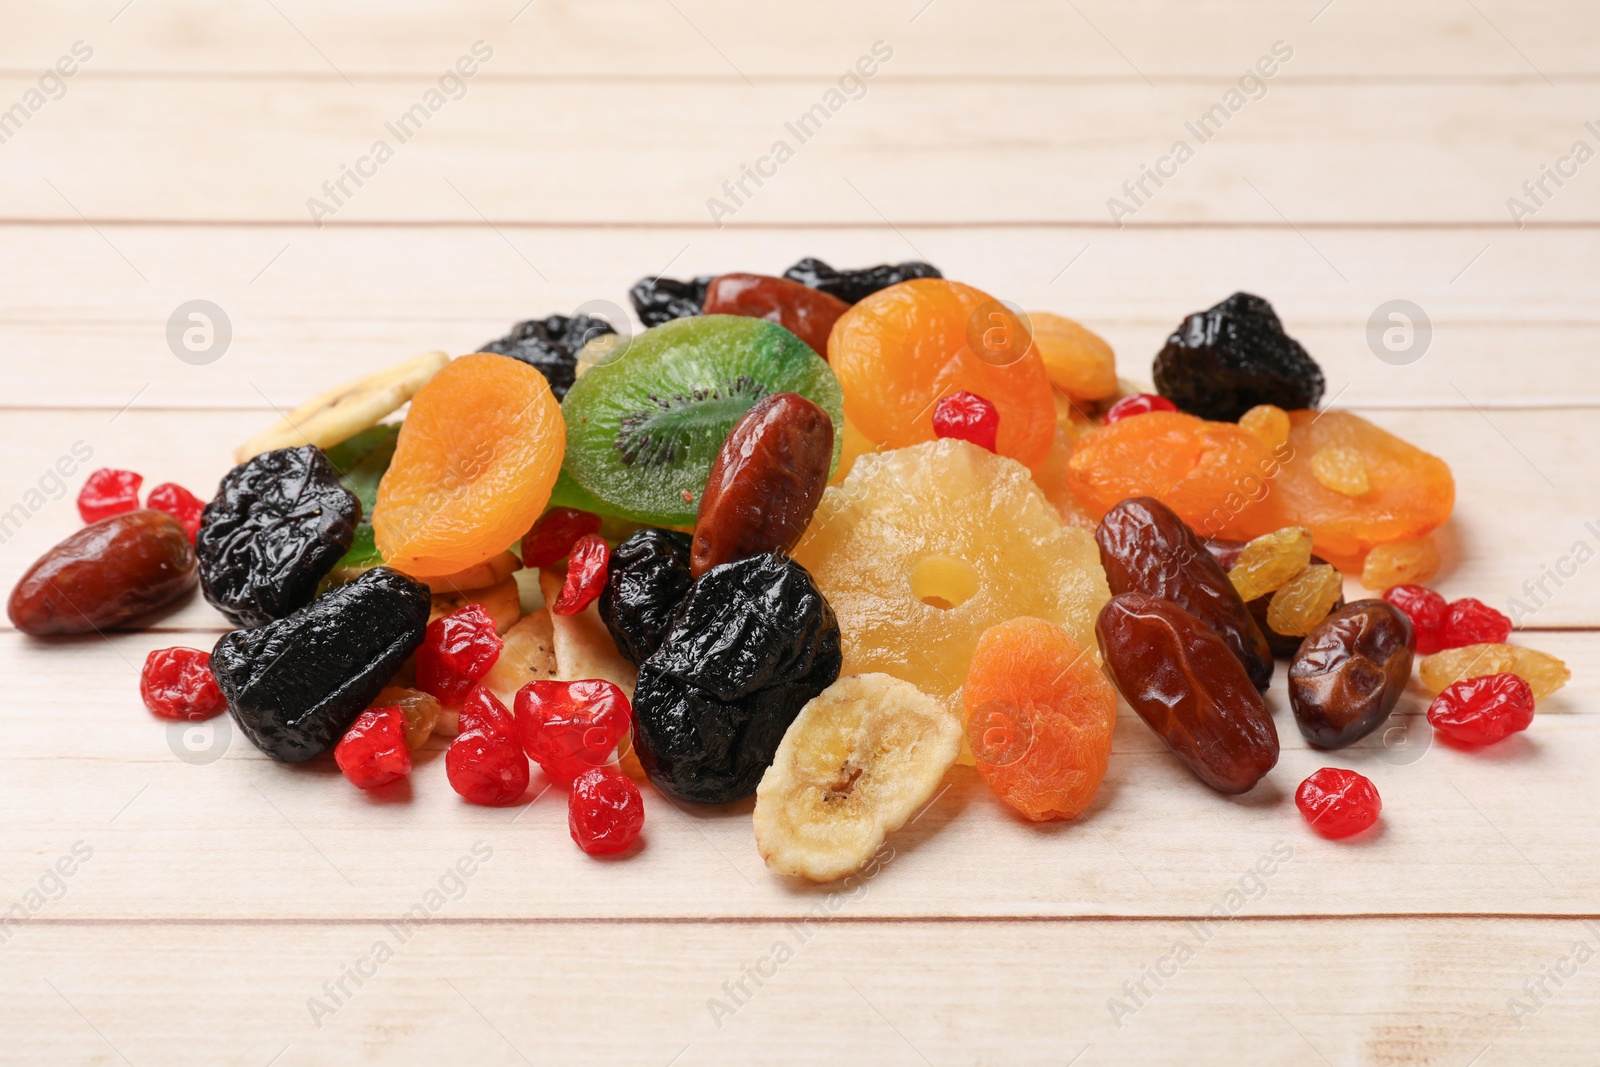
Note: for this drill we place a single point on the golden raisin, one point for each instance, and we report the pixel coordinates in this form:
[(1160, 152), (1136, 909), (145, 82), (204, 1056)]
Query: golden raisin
[(1306, 601), (1269, 562), (1342, 470), (1401, 563), (1543, 672), (1266, 422)]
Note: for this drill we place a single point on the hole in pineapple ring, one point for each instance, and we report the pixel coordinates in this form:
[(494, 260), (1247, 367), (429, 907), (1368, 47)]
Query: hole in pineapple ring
[(943, 582)]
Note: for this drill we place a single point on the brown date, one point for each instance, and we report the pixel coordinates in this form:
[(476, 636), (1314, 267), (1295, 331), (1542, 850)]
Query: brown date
[(1189, 687), (105, 575), (1283, 646), (805, 312), (765, 482), (1146, 548), (1350, 671)]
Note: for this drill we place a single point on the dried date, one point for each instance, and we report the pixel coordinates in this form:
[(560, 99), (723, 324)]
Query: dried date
[(1350, 671)]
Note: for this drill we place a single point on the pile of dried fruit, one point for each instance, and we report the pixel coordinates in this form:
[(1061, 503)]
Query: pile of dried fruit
[(812, 539)]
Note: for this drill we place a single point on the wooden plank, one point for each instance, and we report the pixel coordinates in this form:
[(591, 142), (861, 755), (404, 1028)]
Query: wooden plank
[(306, 308), (116, 148), (194, 822), (1368, 992), (717, 38), (1525, 494)]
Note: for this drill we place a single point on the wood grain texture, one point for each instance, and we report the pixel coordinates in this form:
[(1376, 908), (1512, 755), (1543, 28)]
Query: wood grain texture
[(210, 899)]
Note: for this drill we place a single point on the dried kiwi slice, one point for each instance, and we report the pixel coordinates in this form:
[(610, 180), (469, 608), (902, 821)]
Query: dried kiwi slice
[(644, 427)]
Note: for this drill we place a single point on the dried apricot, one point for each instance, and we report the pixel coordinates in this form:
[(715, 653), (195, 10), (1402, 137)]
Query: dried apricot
[(1409, 492), (477, 456), (1038, 715), (902, 348), (1078, 360), (1213, 474)]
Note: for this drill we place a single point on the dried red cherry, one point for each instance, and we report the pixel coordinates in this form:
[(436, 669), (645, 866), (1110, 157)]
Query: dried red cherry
[(181, 504), (571, 727), (586, 575), (967, 417), (109, 492), (1483, 710), (1338, 803), (552, 537), (1469, 621), (457, 650), (485, 763), (373, 751), (604, 812), (177, 684), (1426, 610), (1137, 404), (807, 313), (765, 483)]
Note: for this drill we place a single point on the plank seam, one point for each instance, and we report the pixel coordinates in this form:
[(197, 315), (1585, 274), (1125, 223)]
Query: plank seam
[(852, 920)]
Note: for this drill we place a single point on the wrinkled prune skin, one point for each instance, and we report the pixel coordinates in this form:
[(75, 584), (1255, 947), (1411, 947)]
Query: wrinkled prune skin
[(1350, 672), (1223, 361), (295, 685), (856, 285), (658, 300), (1283, 646), (649, 578), (108, 573), (278, 524), (550, 346), (1146, 548), (751, 643), (1189, 688)]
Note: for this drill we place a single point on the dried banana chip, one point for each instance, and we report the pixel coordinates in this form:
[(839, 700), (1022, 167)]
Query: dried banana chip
[(584, 647), (344, 411), (529, 655), (855, 764)]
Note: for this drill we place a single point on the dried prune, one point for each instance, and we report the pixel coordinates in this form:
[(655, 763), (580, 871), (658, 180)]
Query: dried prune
[(765, 482), (1223, 361), (1189, 688), (853, 285), (1350, 671), (279, 522), (658, 300), (1283, 646), (550, 346), (105, 575), (751, 643), (295, 685), (1146, 548), (649, 578)]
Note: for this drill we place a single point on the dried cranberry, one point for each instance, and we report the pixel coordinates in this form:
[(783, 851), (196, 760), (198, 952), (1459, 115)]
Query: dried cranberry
[(373, 751), (586, 575), (177, 684), (1338, 803), (485, 763), (552, 537), (967, 417), (571, 727), (178, 502), (604, 812), (1138, 404), (456, 651), (109, 492), (1483, 710), (1472, 622), (1426, 610)]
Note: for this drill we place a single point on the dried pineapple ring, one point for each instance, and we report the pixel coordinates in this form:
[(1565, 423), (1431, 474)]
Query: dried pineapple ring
[(856, 763), (342, 412), (921, 549)]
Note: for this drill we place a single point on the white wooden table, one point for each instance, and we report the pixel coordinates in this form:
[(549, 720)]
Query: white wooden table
[(230, 911)]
